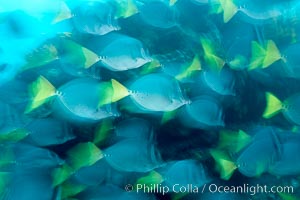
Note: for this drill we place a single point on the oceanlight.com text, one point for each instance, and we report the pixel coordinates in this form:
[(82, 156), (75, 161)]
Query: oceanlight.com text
[(210, 188)]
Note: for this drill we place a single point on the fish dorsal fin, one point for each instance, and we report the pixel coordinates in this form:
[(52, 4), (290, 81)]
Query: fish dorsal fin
[(119, 91), (229, 9), (63, 14), (84, 154), (224, 165), (40, 90), (274, 105), (272, 54)]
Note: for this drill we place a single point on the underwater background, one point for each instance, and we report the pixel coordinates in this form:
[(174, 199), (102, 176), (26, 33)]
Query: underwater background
[(149, 99)]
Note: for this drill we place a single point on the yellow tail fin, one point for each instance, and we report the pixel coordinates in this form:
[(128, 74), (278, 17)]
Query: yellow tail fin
[(61, 174), (229, 9), (274, 105), (223, 164), (119, 91), (70, 189), (14, 136), (79, 55), (210, 55), (152, 178), (233, 141), (102, 131), (40, 90), (272, 54), (126, 8), (194, 66), (41, 56), (263, 57), (64, 13), (84, 154)]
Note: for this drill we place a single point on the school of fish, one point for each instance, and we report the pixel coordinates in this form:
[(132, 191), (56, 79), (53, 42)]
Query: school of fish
[(96, 95)]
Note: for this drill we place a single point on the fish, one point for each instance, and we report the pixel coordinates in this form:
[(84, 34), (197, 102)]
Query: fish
[(91, 175), (266, 55), (222, 83), (110, 192), (252, 166), (191, 172), (215, 196), (264, 144), (183, 68), (166, 18), (288, 163), (72, 101), (202, 112), (213, 54), (95, 17), (291, 61), (234, 35), (289, 107), (48, 131), (134, 128), (133, 155), (156, 92), (10, 119), (118, 52), (29, 185), (254, 12)]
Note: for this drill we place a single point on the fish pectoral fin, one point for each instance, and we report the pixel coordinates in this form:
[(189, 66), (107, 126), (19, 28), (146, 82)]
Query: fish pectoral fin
[(40, 90), (274, 105)]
